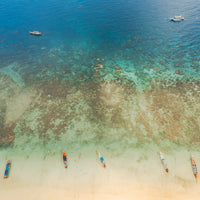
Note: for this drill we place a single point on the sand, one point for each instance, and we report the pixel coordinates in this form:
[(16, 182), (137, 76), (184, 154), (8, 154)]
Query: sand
[(128, 176)]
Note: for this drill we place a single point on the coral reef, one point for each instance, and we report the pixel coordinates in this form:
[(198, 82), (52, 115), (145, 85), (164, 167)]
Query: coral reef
[(101, 110)]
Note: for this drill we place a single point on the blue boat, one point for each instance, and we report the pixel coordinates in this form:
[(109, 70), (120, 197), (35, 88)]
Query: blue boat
[(7, 169)]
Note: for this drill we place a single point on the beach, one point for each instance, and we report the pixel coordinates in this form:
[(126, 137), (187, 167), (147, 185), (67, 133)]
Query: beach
[(131, 175), (114, 77)]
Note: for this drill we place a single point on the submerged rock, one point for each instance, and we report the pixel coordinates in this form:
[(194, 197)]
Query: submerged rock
[(179, 72), (7, 135)]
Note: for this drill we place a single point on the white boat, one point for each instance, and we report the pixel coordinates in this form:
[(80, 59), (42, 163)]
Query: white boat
[(177, 18)]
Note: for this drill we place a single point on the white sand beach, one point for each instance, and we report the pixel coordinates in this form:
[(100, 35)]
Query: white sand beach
[(125, 177)]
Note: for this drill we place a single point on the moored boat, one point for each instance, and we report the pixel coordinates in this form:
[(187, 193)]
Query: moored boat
[(163, 162), (194, 168), (36, 33), (177, 18), (7, 169), (65, 159), (101, 159)]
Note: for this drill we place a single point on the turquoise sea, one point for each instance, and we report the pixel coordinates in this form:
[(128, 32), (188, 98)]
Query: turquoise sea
[(114, 75)]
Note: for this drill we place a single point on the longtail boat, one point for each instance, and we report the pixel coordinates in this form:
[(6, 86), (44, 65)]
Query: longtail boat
[(101, 159), (194, 168), (7, 169), (64, 157), (163, 162)]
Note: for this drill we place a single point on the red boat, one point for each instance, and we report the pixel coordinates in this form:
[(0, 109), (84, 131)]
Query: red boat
[(36, 33)]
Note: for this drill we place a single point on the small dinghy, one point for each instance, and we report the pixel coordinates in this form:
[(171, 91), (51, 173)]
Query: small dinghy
[(36, 33), (176, 18), (7, 169), (194, 168), (163, 162)]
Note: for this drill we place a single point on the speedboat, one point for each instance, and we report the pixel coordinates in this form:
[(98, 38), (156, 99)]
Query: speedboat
[(177, 18), (36, 33)]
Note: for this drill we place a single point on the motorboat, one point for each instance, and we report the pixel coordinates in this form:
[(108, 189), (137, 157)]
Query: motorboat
[(177, 18), (36, 33)]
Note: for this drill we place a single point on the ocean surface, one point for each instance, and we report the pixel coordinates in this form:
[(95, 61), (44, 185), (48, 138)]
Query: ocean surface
[(112, 74)]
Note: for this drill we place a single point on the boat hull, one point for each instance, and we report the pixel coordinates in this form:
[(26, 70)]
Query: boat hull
[(177, 19), (35, 33), (163, 162), (194, 168), (7, 169), (64, 157)]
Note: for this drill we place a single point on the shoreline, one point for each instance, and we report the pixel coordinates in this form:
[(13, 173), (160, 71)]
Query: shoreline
[(124, 177)]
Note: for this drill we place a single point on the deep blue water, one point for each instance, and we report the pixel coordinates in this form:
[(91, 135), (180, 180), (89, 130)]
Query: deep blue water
[(135, 35)]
